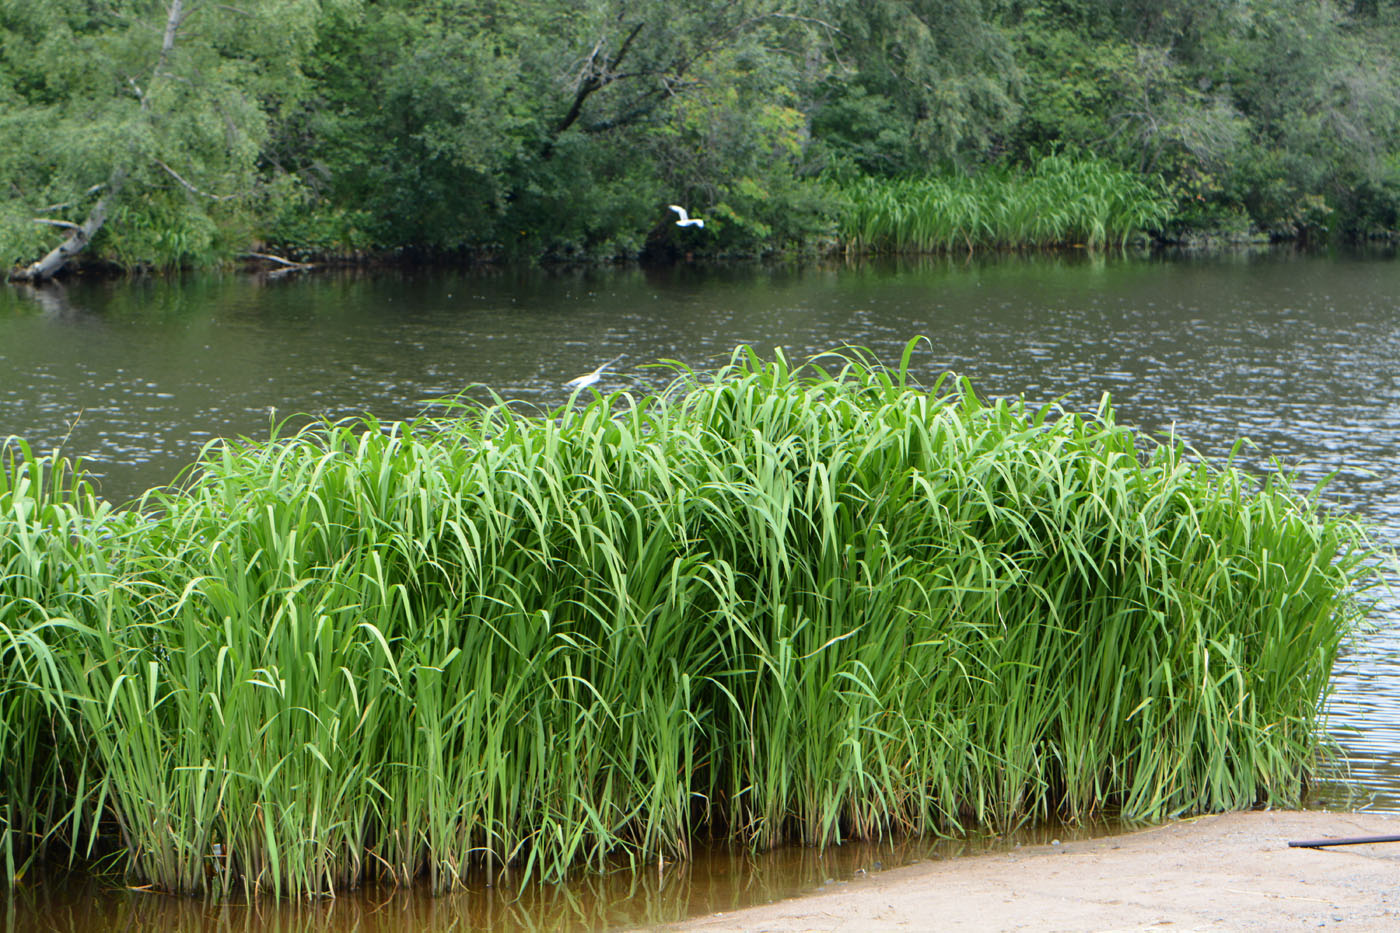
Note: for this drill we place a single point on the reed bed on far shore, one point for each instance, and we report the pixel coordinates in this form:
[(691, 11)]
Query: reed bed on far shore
[(1062, 200), (769, 604)]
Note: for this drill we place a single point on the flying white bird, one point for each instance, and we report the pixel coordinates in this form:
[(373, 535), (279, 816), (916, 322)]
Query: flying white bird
[(686, 220), (588, 379)]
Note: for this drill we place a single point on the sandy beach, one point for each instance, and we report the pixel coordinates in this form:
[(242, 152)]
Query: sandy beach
[(1228, 872)]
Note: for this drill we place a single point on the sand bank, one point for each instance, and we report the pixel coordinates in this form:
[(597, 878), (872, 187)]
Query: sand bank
[(1228, 872)]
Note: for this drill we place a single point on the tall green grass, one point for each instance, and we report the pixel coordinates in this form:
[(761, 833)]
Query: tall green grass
[(1061, 200), (766, 604)]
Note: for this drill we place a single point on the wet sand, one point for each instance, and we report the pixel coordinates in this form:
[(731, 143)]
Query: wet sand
[(1229, 872)]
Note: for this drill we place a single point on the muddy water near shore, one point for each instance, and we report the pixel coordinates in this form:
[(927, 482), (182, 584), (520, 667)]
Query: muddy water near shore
[(716, 881)]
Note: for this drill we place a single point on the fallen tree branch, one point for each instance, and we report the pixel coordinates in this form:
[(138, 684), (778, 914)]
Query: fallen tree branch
[(287, 265), (65, 224), (204, 194), (57, 257), (278, 259)]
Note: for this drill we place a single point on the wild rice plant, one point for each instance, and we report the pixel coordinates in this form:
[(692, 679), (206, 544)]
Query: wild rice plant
[(1061, 200), (55, 541), (767, 604)]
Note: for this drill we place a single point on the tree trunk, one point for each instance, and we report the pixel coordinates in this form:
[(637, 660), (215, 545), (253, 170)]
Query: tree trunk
[(58, 257), (598, 72)]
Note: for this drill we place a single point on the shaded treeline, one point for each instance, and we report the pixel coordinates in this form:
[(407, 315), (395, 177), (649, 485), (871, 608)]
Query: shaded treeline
[(764, 606), (190, 131)]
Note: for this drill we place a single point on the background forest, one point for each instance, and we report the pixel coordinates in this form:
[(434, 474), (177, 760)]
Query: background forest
[(184, 133)]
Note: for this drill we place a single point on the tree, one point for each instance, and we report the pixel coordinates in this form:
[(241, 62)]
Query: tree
[(916, 85), (556, 127), (1285, 110), (1323, 98), (145, 120)]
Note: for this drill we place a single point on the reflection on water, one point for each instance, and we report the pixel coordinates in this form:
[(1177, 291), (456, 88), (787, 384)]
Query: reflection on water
[(714, 882), (1299, 354)]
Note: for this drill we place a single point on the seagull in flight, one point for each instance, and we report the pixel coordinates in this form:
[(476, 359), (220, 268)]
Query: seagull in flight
[(686, 220), (588, 379)]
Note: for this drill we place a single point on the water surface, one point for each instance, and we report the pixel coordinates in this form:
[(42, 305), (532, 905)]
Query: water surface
[(1298, 354), (717, 881)]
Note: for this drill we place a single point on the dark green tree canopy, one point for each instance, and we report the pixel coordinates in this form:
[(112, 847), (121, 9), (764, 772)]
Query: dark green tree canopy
[(179, 132)]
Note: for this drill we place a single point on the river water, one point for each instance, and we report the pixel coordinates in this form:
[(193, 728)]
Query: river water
[(1300, 354), (713, 882)]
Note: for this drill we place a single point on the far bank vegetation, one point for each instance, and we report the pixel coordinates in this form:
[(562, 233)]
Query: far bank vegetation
[(148, 134)]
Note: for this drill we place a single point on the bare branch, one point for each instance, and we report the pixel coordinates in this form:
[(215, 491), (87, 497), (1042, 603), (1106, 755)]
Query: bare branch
[(204, 194), (277, 259), (812, 20), (67, 204), (65, 224), (594, 76), (287, 266)]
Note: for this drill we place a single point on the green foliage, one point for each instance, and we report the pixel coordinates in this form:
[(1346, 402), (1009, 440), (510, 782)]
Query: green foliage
[(743, 160), (914, 84), (174, 138), (562, 128), (1063, 200), (769, 604), (1279, 109), (556, 130)]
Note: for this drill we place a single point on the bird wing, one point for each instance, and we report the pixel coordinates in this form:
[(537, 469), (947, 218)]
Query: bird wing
[(680, 210), (590, 378)]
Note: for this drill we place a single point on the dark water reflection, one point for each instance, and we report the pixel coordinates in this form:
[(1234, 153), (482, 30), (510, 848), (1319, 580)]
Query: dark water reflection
[(714, 882), (1299, 354)]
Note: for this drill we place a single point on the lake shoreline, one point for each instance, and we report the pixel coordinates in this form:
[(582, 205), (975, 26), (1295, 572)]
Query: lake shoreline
[(292, 263), (1230, 871)]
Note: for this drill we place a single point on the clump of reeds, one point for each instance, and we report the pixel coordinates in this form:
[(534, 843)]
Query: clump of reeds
[(1061, 200), (768, 605)]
